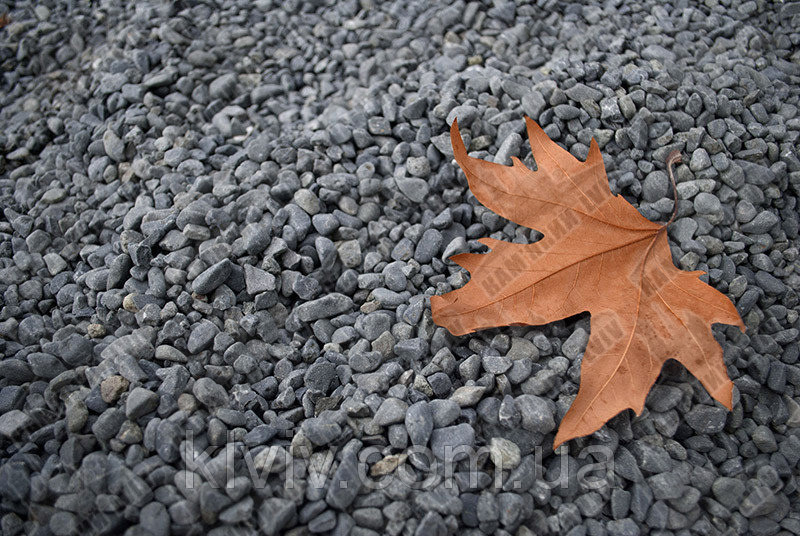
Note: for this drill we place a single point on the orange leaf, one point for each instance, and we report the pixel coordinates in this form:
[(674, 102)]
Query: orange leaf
[(598, 255)]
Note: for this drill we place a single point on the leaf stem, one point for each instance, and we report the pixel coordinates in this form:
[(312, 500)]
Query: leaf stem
[(673, 158)]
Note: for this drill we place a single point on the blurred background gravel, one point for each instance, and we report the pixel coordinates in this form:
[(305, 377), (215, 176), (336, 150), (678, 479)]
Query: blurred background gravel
[(221, 224)]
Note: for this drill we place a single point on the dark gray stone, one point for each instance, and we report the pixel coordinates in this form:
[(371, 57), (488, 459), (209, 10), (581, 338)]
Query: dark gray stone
[(537, 414), (707, 419), (210, 393), (140, 402), (212, 277), (325, 307), (419, 423), (453, 443)]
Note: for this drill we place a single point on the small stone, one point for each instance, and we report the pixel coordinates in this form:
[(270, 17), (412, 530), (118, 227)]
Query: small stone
[(496, 364), (307, 200), (391, 411), (55, 263), (75, 350), (223, 87), (140, 402), (387, 464), (655, 186), (53, 196), (256, 238), (533, 104), (418, 166), (330, 305), (212, 277), (325, 522), (379, 126), (537, 414), (108, 424), (453, 443), (575, 343), (413, 188), (706, 203), (464, 113), (428, 246), (444, 411), (258, 149), (96, 331), (64, 524), (13, 423), (468, 395), (320, 431), (764, 439), (505, 454), (509, 147), (623, 527), (419, 423), (729, 491), (129, 303), (155, 519), (350, 253), (210, 393), (707, 419), (30, 330), (202, 336), (257, 280), (237, 513), (274, 514), (346, 481), (319, 375), (666, 486), (113, 146), (762, 223), (112, 388), (700, 160), (411, 350)]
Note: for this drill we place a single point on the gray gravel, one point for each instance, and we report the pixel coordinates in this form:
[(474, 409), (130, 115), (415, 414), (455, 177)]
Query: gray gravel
[(221, 226)]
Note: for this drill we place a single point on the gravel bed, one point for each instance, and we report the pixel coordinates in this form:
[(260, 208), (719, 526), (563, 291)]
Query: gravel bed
[(222, 223)]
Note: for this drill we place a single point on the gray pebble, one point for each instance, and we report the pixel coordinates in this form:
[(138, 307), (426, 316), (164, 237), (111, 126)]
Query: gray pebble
[(140, 402), (419, 423), (212, 277), (210, 393), (445, 442)]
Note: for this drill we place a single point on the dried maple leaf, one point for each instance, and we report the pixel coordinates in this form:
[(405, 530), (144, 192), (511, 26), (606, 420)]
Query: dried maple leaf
[(598, 254)]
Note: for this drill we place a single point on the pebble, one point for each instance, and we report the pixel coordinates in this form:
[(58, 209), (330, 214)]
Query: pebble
[(419, 423), (320, 431), (452, 443), (112, 388), (13, 423), (210, 393), (706, 203), (706, 419), (346, 481), (761, 223), (324, 307), (468, 395), (418, 166), (496, 364), (140, 402), (201, 336), (505, 454), (537, 414), (391, 411), (212, 277)]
